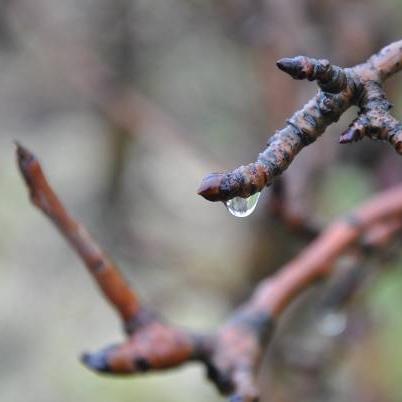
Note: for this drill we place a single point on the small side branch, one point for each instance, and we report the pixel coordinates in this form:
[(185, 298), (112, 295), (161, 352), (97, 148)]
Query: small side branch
[(317, 260), (374, 120)]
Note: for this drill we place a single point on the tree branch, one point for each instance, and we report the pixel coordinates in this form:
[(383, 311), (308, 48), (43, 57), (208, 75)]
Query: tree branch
[(340, 88), (316, 261), (110, 281), (152, 343), (232, 355)]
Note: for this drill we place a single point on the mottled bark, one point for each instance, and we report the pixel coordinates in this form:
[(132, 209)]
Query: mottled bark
[(340, 88)]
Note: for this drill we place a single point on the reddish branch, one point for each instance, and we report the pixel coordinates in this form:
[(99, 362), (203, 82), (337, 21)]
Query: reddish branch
[(340, 88), (103, 270), (162, 345), (317, 260), (233, 353)]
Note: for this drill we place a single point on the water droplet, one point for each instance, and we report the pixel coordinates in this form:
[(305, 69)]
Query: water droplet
[(333, 323), (242, 207)]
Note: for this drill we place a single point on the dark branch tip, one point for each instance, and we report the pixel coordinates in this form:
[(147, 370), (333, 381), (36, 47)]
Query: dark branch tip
[(298, 67), (210, 187), (96, 361), (289, 66), (24, 156)]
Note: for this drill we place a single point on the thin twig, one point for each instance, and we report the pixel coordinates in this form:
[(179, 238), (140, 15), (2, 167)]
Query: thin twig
[(109, 279)]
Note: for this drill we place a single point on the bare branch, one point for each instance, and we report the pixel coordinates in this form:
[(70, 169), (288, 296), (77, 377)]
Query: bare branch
[(316, 261), (112, 284), (340, 88), (232, 355), (152, 343)]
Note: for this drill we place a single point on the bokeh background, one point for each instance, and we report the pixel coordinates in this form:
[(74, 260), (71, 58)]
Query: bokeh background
[(128, 103)]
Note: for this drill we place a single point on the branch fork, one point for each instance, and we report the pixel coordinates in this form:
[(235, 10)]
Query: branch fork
[(339, 88)]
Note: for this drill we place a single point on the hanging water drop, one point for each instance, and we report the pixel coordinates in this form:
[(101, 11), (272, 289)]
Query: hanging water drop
[(242, 207)]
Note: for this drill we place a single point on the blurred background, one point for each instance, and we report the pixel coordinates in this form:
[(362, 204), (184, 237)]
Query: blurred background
[(128, 104)]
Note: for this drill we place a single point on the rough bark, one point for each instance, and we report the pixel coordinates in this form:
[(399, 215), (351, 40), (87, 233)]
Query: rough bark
[(340, 88)]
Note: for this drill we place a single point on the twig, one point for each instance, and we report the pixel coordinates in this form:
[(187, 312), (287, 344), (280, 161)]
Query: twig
[(340, 88), (112, 284)]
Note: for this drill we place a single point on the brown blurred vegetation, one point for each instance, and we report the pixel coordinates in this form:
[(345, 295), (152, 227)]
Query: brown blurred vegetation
[(129, 104)]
